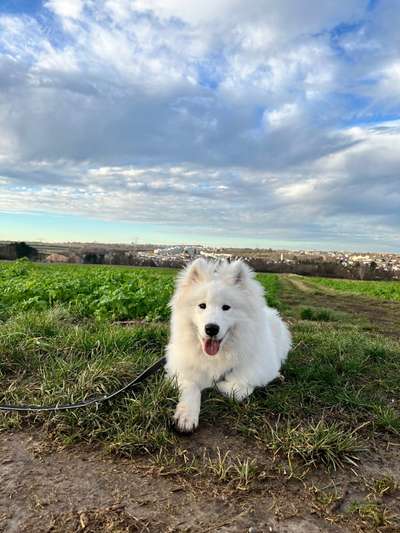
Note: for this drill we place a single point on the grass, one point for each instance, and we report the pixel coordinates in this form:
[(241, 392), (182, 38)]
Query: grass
[(329, 444), (373, 514), (235, 470), (383, 290), (49, 358), (321, 314), (272, 288), (341, 387), (223, 467), (383, 486)]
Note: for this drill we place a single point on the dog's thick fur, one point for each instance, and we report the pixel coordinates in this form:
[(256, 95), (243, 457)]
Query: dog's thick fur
[(247, 351)]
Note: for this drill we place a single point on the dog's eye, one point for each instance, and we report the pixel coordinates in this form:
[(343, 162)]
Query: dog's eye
[(202, 306), (226, 307)]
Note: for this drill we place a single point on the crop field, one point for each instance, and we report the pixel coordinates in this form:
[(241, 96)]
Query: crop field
[(318, 451), (109, 293), (388, 290)]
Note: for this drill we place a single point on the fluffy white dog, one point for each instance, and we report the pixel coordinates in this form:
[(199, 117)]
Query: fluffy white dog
[(223, 334)]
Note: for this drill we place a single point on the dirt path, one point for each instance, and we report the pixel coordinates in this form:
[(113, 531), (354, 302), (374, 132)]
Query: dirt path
[(299, 284), (382, 316), (71, 490), (81, 490)]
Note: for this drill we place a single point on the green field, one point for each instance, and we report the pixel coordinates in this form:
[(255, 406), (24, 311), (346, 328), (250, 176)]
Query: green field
[(65, 335), (384, 290), (87, 291), (102, 292)]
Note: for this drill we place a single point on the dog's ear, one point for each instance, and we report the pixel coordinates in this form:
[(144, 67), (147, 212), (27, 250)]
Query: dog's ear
[(195, 272), (241, 272)]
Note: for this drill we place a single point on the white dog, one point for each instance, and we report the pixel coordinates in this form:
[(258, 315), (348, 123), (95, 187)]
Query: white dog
[(222, 333)]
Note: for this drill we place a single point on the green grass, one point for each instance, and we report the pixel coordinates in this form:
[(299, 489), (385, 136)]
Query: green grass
[(382, 486), (321, 314), (48, 358), (330, 444), (374, 514), (225, 468), (235, 470), (271, 285), (341, 384), (383, 290)]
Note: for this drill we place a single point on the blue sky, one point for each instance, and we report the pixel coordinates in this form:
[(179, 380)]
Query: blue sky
[(220, 122), (21, 6)]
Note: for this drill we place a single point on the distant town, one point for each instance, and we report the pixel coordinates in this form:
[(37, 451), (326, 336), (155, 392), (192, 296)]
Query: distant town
[(339, 264)]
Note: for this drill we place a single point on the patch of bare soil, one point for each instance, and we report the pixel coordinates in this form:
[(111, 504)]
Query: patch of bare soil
[(383, 316), (76, 489)]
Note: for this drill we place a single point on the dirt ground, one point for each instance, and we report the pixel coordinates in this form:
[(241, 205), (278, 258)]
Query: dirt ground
[(55, 490), (44, 488)]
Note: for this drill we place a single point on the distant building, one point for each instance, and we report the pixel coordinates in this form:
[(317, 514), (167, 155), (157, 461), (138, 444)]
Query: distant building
[(56, 258), (216, 255), (172, 251), (74, 259)]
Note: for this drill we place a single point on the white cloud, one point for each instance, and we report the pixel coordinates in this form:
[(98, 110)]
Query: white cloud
[(228, 114), (286, 16), (66, 8), (352, 194), (281, 117), (297, 190)]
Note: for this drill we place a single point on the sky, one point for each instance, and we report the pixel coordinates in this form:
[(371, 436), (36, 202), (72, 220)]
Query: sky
[(270, 123)]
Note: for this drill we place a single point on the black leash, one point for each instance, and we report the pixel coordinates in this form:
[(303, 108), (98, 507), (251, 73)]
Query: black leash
[(64, 407)]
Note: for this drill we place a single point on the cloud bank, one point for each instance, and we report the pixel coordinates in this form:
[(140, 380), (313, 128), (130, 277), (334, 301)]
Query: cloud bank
[(271, 121)]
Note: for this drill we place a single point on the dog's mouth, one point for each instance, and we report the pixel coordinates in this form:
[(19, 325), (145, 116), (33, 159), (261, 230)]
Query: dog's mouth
[(211, 345)]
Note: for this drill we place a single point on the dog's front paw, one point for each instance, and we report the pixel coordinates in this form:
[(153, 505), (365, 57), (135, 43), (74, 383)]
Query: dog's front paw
[(233, 389), (185, 419)]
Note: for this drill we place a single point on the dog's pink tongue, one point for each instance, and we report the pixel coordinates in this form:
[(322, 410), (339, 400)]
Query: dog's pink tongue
[(211, 346)]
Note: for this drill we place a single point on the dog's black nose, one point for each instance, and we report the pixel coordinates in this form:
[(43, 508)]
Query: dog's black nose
[(211, 329)]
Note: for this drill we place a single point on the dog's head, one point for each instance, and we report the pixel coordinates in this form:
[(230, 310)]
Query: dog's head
[(216, 297)]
